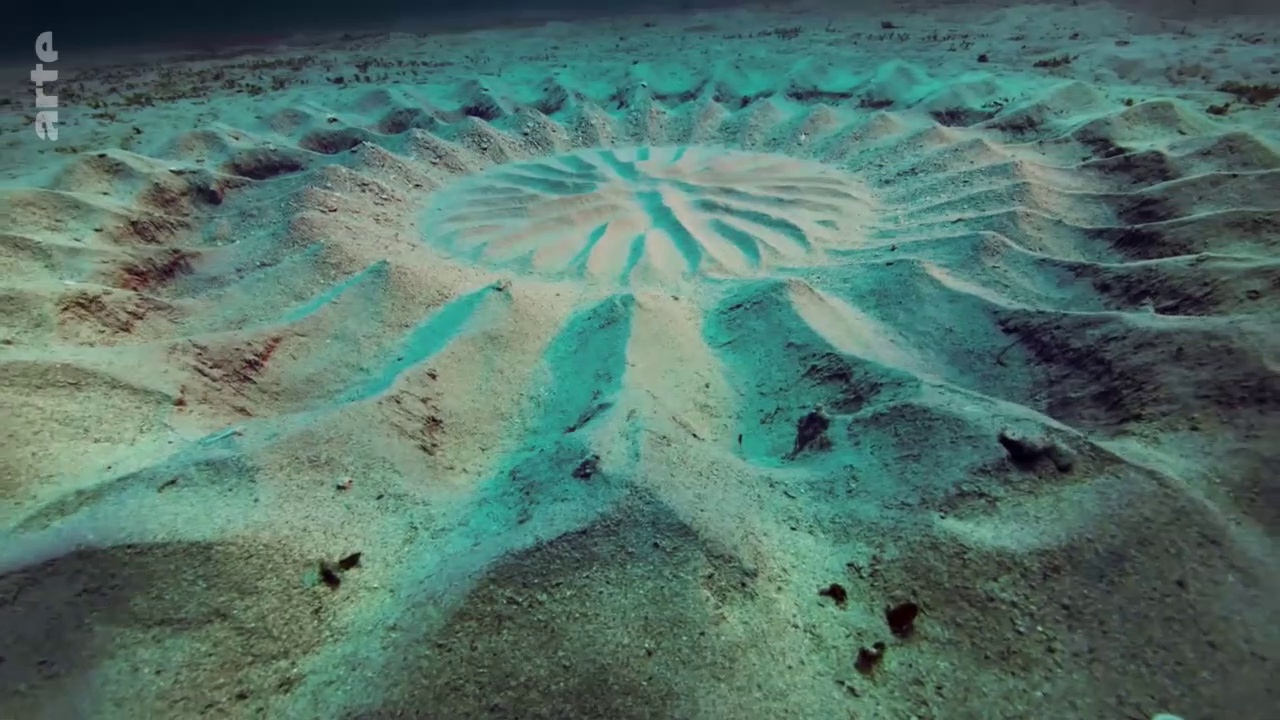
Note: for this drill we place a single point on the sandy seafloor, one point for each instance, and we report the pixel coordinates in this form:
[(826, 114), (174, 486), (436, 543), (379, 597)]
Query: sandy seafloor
[(609, 345)]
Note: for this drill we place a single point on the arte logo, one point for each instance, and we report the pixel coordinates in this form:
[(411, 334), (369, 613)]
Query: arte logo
[(47, 115)]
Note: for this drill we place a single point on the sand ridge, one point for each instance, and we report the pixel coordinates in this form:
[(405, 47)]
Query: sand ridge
[(608, 345)]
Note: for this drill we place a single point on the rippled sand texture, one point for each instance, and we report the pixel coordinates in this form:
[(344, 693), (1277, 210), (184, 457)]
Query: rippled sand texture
[(610, 345)]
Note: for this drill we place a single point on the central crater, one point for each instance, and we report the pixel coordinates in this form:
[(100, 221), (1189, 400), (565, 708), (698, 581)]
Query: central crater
[(648, 215)]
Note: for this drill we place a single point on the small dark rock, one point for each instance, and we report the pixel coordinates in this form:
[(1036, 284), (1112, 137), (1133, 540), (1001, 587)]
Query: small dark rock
[(1026, 453), (836, 592), (902, 618), (983, 58), (869, 658), (587, 468), (810, 429), (1021, 450), (330, 574)]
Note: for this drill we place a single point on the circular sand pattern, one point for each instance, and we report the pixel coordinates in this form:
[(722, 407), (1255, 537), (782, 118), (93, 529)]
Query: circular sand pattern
[(644, 215)]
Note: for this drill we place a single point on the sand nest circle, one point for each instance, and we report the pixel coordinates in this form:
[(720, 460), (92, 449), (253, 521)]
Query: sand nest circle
[(642, 215)]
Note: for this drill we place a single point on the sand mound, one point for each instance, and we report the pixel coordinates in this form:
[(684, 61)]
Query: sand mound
[(738, 365)]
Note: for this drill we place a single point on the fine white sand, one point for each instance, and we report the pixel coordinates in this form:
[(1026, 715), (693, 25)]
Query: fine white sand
[(610, 344)]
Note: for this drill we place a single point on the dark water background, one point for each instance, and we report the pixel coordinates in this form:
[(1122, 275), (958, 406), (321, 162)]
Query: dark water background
[(83, 24), (79, 24)]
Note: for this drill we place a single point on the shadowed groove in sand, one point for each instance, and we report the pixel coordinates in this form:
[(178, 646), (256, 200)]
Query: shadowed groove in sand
[(628, 666), (648, 214), (77, 612)]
